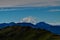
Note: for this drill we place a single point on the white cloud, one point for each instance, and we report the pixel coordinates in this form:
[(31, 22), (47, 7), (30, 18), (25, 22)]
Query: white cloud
[(55, 10), (12, 9), (29, 19), (7, 9), (9, 3), (54, 23)]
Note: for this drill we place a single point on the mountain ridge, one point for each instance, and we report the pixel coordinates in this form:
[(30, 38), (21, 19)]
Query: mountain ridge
[(41, 25), (26, 33)]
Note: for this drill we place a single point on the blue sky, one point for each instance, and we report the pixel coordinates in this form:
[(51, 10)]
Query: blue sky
[(43, 10), (47, 14)]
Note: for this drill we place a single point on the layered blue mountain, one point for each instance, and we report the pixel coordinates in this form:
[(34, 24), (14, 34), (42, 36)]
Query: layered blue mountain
[(41, 25), (26, 25), (7, 24), (55, 29)]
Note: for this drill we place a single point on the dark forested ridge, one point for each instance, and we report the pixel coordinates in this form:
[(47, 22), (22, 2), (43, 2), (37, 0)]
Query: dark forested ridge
[(26, 33), (42, 25)]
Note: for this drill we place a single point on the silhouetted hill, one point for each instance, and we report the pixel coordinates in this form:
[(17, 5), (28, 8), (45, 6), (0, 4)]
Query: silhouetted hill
[(2, 25), (43, 25), (54, 29), (26, 33), (26, 24), (40, 25)]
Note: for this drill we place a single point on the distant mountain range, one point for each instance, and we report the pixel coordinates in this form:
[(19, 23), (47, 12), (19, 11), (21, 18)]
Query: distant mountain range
[(18, 32), (41, 25)]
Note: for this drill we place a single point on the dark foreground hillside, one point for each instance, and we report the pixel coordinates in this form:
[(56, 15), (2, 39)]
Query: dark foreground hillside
[(26, 33)]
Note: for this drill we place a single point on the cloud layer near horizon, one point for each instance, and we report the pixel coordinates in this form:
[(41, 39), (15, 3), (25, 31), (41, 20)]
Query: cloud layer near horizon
[(24, 3)]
